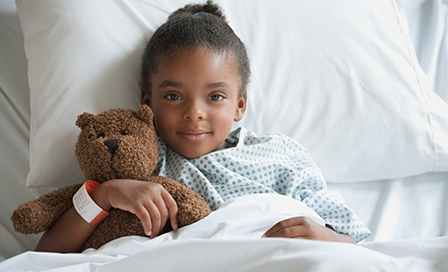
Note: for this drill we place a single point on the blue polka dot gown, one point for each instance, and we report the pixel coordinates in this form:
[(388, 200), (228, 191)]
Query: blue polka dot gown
[(268, 164)]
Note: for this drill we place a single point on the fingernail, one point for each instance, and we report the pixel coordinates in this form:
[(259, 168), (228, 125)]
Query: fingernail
[(148, 233)]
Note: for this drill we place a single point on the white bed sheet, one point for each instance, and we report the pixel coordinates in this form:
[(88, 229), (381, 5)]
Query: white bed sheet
[(229, 240), (413, 207), (226, 255)]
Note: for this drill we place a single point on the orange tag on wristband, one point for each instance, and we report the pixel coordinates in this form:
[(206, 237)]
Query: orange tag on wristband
[(85, 206)]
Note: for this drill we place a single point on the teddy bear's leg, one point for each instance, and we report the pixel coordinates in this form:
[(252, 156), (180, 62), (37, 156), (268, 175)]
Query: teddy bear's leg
[(38, 215), (191, 206)]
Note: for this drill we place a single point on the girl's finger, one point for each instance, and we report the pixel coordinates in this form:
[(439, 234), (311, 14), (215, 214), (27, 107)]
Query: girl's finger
[(155, 218), (289, 232), (163, 211), (277, 227), (145, 218), (171, 205), (282, 227)]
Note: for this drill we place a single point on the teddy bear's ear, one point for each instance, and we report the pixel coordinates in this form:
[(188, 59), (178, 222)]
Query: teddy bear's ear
[(144, 113), (84, 119)]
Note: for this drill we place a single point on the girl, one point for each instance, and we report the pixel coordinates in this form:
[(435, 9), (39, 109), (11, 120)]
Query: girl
[(194, 75)]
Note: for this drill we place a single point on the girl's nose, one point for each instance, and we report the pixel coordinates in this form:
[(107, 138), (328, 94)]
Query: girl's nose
[(194, 111)]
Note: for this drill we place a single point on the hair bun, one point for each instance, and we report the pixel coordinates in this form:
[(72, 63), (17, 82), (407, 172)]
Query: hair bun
[(208, 7)]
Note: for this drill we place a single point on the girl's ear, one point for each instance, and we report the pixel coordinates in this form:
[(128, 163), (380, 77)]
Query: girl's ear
[(145, 99), (240, 108), (144, 113), (84, 119)]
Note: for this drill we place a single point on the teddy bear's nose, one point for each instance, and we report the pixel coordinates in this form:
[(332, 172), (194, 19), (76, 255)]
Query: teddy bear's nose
[(112, 145)]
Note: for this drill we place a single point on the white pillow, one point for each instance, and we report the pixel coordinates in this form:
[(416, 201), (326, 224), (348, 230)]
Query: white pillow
[(340, 77)]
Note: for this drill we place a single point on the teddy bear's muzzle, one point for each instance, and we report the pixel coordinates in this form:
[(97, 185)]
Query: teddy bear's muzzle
[(112, 145)]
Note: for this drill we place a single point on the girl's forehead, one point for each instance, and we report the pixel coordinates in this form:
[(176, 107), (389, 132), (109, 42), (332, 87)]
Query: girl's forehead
[(198, 59), (205, 53)]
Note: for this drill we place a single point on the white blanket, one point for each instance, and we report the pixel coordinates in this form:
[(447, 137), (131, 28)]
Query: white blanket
[(229, 240)]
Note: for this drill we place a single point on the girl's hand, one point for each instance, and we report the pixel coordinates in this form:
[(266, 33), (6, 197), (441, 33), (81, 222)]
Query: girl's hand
[(304, 228), (150, 202)]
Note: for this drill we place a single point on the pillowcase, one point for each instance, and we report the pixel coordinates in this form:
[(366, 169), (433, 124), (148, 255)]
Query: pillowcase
[(340, 77)]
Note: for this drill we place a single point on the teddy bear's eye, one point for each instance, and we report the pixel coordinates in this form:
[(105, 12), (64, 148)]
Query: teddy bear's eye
[(124, 132), (100, 135)]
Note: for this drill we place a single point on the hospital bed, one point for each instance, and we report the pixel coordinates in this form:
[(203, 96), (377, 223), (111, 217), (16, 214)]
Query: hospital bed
[(363, 85)]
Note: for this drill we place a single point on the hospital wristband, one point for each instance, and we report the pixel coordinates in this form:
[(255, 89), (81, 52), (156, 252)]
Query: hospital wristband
[(86, 207)]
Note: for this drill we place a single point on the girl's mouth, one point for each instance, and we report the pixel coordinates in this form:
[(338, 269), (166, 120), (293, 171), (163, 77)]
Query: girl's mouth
[(194, 136)]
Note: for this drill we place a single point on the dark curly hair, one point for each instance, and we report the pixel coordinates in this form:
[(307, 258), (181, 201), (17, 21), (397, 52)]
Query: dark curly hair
[(193, 26)]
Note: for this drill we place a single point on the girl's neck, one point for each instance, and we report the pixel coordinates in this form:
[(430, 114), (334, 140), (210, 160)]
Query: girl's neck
[(226, 144)]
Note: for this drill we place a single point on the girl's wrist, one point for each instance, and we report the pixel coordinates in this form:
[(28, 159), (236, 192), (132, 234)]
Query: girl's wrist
[(345, 238), (340, 237), (99, 195)]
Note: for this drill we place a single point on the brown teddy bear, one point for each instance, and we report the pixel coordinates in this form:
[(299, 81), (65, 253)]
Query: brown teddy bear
[(115, 144)]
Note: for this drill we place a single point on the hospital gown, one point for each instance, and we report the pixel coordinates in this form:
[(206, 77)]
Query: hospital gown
[(257, 165)]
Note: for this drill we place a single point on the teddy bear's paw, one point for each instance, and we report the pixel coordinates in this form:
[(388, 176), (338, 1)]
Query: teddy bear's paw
[(190, 213), (31, 218)]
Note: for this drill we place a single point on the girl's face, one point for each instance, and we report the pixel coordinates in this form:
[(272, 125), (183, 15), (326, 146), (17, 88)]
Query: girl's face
[(195, 100)]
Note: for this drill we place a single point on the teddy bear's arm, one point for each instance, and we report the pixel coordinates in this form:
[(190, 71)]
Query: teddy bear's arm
[(38, 215), (191, 206)]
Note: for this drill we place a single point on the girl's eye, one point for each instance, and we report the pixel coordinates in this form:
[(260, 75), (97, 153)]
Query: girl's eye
[(100, 135), (172, 97), (216, 97)]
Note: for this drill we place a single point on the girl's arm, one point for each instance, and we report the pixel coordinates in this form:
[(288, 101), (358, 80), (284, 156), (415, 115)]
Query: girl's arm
[(304, 228), (149, 201), (68, 234)]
